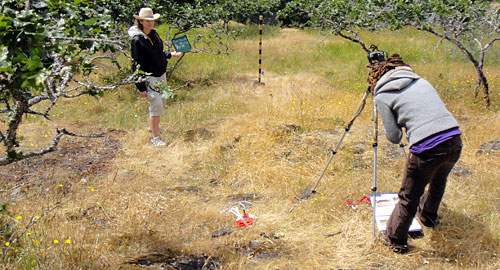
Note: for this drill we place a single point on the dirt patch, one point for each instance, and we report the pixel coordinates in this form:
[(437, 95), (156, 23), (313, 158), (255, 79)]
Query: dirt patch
[(245, 197), (285, 130), (193, 135), (171, 260), (491, 147), (74, 160), (268, 247)]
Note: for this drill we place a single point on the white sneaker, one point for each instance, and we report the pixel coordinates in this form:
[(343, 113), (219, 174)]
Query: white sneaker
[(157, 141)]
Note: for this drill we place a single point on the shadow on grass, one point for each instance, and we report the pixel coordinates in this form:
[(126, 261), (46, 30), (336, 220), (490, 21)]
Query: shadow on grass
[(465, 240)]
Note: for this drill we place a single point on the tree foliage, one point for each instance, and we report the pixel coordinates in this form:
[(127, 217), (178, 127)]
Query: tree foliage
[(295, 13), (472, 26), (346, 18), (49, 49)]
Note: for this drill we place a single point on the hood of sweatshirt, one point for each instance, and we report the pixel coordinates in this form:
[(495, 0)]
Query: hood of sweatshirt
[(395, 80), (134, 31)]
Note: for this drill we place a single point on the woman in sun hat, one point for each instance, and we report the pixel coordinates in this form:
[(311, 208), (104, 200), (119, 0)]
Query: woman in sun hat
[(405, 100), (148, 55)]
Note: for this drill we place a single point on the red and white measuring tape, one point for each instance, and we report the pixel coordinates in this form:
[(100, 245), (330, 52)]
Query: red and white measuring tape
[(355, 206)]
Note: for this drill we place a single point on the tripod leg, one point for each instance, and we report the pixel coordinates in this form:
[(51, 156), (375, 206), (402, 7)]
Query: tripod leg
[(402, 146), (308, 192), (359, 109), (374, 187)]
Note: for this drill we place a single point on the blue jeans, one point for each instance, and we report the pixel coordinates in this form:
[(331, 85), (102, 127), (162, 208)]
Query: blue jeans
[(429, 167)]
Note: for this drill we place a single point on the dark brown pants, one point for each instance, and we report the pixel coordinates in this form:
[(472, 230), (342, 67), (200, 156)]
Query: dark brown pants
[(429, 167)]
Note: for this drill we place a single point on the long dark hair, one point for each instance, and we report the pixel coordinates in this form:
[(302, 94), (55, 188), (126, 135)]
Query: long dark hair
[(138, 24), (394, 60)]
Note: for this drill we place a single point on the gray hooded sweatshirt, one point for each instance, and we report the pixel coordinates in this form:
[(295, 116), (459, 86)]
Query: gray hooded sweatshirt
[(405, 100)]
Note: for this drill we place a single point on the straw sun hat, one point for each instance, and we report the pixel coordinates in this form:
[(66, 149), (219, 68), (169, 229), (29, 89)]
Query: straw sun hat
[(147, 14)]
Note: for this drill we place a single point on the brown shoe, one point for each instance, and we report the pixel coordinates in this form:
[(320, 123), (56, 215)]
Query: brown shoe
[(396, 248)]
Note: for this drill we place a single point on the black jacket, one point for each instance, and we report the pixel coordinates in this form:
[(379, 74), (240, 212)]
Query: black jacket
[(147, 51)]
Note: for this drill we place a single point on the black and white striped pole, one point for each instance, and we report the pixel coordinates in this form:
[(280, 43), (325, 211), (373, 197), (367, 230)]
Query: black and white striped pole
[(260, 50)]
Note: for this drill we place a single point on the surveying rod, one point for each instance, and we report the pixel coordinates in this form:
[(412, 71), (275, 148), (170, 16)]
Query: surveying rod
[(374, 187), (260, 46)]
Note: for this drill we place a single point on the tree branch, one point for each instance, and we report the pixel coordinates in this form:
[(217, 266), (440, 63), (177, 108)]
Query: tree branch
[(2, 137), (491, 42), (132, 79), (112, 41), (477, 64), (37, 113), (354, 39), (27, 5), (182, 86), (55, 141)]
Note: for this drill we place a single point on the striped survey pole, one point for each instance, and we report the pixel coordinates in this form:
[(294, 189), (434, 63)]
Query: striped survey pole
[(260, 48)]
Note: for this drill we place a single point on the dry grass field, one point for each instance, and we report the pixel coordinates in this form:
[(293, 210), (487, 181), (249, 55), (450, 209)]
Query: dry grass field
[(119, 203)]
